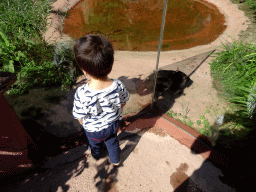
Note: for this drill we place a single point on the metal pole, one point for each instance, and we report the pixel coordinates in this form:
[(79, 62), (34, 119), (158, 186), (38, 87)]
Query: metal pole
[(159, 49)]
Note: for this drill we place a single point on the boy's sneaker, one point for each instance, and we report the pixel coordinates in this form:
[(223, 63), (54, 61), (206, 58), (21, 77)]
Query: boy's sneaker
[(88, 152), (116, 164)]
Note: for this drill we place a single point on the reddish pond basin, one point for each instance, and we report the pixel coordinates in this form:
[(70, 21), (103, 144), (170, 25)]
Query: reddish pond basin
[(135, 25)]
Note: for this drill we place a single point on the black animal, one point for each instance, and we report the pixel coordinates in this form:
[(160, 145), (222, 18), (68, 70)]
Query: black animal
[(168, 80)]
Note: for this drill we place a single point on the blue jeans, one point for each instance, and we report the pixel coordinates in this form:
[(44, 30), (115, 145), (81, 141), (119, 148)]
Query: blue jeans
[(106, 137)]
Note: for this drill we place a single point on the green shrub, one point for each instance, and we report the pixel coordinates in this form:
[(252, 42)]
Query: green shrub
[(24, 18), (234, 67), (24, 51), (246, 100), (9, 54), (234, 71), (64, 60), (252, 4)]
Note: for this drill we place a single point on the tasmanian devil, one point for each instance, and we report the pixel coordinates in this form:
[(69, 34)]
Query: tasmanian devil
[(174, 81)]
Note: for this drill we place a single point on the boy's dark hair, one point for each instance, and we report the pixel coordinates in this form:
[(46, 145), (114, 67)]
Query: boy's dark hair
[(95, 55)]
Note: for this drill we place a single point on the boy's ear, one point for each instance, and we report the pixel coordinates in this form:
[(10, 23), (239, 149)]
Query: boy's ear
[(85, 73)]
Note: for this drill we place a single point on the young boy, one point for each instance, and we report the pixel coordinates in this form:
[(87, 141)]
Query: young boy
[(98, 104)]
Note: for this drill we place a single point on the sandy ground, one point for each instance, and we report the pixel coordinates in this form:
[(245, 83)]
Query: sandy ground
[(157, 163), (150, 162)]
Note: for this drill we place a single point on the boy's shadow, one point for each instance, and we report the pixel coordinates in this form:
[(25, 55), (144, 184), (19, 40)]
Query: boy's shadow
[(40, 179)]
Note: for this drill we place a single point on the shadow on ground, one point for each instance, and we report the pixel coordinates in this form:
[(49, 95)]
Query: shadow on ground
[(239, 147), (42, 180), (233, 154)]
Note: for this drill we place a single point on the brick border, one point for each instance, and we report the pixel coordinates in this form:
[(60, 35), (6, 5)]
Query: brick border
[(192, 139)]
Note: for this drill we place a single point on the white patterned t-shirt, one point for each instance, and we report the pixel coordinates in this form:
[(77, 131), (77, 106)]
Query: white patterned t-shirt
[(99, 108)]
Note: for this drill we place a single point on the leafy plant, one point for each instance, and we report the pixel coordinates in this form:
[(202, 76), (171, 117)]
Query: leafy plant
[(8, 54), (234, 67), (24, 51), (234, 72), (64, 61), (246, 99), (204, 131), (185, 110), (252, 4), (190, 123), (206, 124), (169, 113), (26, 19)]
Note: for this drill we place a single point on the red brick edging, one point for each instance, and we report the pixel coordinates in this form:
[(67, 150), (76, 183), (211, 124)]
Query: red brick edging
[(191, 138)]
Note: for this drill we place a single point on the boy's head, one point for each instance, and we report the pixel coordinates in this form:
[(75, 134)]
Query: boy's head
[(95, 55)]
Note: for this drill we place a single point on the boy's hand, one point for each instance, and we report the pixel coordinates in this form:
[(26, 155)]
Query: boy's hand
[(80, 121), (124, 123)]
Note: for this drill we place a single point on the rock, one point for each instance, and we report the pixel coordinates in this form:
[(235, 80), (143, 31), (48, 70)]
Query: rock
[(219, 120)]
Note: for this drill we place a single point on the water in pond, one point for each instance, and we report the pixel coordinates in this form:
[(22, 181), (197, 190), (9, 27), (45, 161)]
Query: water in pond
[(135, 24)]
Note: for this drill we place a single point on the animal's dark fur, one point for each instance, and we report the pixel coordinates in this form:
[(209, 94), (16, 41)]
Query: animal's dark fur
[(174, 81)]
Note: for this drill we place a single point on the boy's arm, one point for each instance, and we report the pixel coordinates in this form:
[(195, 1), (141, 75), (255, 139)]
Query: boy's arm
[(78, 112), (124, 95)]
